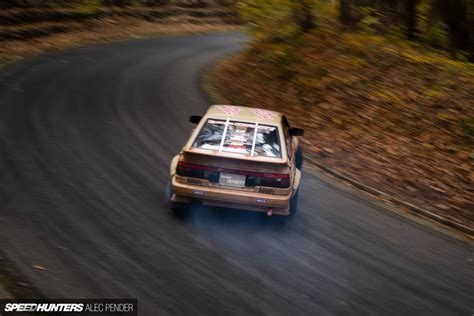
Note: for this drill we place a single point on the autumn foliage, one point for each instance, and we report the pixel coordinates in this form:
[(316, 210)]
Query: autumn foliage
[(388, 112)]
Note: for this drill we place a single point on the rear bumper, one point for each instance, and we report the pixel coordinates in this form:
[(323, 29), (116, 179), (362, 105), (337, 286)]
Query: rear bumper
[(231, 198)]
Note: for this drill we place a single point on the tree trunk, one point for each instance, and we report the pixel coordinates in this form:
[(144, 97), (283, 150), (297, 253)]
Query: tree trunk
[(470, 21), (303, 15), (345, 14), (410, 18), (454, 14)]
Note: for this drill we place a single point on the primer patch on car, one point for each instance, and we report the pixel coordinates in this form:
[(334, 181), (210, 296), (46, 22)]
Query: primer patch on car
[(229, 109), (194, 181), (263, 114), (266, 191)]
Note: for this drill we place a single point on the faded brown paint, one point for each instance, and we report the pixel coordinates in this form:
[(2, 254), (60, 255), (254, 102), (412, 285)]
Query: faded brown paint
[(278, 199)]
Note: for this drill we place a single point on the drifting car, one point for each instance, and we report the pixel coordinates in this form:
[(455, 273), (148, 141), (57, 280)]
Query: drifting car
[(239, 157)]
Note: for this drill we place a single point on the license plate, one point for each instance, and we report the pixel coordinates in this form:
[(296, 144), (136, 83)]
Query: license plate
[(232, 180)]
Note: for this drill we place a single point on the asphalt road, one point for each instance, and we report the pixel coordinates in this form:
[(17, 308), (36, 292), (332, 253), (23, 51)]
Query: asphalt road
[(86, 137)]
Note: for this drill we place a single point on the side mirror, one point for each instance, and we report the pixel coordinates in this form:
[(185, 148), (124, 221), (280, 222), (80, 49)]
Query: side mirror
[(195, 119), (296, 131)]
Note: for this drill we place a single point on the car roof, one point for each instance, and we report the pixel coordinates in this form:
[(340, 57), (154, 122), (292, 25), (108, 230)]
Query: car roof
[(244, 113)]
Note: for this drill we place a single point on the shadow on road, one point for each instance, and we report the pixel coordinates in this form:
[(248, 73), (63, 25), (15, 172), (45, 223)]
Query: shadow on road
[(226, 218)]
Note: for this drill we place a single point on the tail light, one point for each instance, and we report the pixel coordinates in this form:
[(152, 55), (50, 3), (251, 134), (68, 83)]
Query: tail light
[(197, 171), (276, 180), (269, 180)]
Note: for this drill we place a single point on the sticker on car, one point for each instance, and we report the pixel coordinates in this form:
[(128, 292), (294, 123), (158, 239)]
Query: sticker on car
[(229, 109), (263, 114)]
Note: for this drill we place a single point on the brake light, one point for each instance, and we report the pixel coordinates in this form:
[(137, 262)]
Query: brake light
[(197, 171), (276, 180)]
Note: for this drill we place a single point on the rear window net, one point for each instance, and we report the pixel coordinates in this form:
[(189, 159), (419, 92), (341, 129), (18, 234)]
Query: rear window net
[(251, 139)]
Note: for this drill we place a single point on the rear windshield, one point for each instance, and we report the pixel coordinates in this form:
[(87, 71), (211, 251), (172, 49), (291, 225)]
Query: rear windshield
[(239, 137)]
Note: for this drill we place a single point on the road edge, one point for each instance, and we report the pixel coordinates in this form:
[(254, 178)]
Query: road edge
[(216, 97), (104, 41)]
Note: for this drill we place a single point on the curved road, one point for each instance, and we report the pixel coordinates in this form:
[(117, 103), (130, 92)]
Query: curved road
[(86, 136)]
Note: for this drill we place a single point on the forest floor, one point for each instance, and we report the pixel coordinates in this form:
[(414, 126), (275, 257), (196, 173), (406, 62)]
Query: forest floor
[(387, 113), (29, 31)]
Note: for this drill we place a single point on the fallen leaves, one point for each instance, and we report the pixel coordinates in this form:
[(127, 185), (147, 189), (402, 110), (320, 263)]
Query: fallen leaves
[(39, 267), (398, 128)]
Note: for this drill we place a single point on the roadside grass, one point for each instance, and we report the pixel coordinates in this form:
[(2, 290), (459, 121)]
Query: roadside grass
[(391, 114)]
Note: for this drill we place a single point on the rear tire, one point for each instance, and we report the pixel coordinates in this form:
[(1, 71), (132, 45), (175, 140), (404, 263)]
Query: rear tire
[(294, 203), (180, 210), (299, 158)]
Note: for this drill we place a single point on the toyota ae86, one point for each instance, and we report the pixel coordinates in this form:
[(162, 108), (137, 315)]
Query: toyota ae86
[(238, 157)]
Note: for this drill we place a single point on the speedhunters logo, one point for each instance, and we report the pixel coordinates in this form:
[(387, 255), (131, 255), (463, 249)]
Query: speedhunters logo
[(124, 307), (43, 307)]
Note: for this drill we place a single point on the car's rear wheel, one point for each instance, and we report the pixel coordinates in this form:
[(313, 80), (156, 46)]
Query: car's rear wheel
[(294, 203), (180, 210), (299, 158)]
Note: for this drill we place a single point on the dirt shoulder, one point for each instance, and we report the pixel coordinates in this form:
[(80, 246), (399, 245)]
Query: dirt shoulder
[(28, 32), (387, 114)]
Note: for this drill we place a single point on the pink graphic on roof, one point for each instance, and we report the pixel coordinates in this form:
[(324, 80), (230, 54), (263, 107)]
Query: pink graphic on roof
[(229, 109), (263, 114)]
